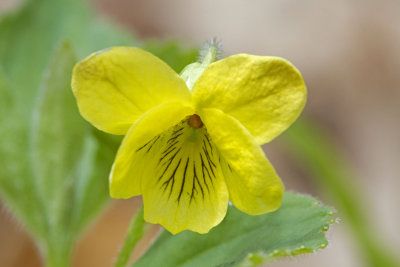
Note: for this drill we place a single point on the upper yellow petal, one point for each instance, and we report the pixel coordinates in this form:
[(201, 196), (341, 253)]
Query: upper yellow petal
[(266, 94), (254, 187), (114, 87), (131, 165)]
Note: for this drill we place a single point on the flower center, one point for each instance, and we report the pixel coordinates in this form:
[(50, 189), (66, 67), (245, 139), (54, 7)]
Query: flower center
[(195, 121)]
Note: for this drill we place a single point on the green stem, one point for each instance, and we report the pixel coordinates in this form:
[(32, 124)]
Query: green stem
[(58, 260), (58, 255), (135, 232)]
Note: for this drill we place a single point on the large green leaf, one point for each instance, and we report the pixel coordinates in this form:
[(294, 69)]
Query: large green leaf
[(63, 160), (57, 139), (54, 175), (67, 161), (59, 131), (57, 179), (297, 227)]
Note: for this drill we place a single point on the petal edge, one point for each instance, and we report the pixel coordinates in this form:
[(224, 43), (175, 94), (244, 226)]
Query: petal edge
[(254, 187)]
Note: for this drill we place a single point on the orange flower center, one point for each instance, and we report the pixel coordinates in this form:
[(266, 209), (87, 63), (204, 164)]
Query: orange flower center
[(195, 121)]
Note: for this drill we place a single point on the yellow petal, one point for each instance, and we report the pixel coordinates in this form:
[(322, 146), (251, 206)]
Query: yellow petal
[(266, 94), (254, 187), (184, 187), (130, 165), (114, 87)]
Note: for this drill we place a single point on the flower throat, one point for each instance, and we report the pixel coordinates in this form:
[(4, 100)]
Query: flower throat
[(195, 121)]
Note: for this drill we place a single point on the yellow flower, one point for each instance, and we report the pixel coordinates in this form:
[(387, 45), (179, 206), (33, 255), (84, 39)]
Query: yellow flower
[(192, 142)]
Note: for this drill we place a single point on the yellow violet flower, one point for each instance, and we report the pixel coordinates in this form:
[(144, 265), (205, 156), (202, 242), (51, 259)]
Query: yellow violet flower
[(192, 142)]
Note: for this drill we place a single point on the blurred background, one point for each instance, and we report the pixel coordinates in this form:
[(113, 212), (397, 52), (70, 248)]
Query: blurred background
[(349, 55)]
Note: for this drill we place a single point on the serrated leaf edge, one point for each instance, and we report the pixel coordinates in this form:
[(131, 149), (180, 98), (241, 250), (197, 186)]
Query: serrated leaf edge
[(257, 258)]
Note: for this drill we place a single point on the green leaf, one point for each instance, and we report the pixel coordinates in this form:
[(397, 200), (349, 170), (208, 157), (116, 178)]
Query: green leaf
[(69, 168), (58, 129), (54, 180), (297, 227), (58, 146)]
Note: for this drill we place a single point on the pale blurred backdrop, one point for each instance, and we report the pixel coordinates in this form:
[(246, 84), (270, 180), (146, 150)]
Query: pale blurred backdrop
[(349, 54)]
